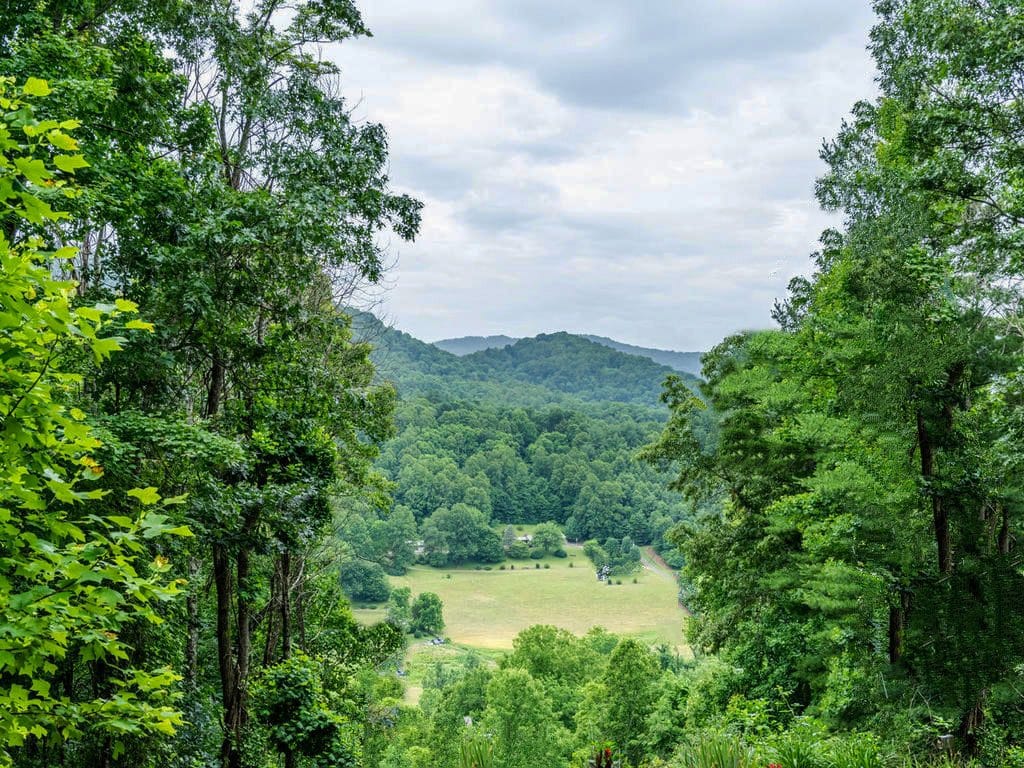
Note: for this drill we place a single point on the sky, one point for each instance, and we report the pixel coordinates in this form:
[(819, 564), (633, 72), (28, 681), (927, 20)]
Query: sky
[(638, 170)]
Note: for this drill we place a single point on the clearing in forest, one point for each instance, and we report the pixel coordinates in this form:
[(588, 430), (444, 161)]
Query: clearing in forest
[(487, 609)]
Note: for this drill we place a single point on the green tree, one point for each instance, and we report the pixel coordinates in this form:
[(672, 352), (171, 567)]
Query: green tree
[(399, 608), (548, 537), (519, 714), (427, 616), (629, 682), (364, 582), (71, 581)]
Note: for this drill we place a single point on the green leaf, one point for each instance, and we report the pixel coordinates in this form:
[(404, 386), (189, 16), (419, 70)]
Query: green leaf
[(68, 163), (145, 495), (61, 140), (36, 87)]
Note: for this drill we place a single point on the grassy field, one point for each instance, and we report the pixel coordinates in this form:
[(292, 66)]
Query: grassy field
[(487, 609)]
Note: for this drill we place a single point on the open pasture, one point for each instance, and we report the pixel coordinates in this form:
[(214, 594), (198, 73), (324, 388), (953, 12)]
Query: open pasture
[(487, 609)]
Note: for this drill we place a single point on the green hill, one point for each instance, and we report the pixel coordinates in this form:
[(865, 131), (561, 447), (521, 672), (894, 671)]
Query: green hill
[(467, 345), (550, 369), (685, 362)]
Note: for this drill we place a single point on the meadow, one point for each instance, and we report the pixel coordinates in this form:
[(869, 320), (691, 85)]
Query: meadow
[(487, 609)]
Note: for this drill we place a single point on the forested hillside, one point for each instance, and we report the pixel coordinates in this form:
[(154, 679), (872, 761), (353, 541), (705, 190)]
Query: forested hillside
[(546, 430), (466, 345), (222, 490), (558, 367), (687, 362)]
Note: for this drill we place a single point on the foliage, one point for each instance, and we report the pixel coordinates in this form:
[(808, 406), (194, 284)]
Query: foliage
[(426, 615), (71, 580), (364, 582), (290, 701), (855, 550)]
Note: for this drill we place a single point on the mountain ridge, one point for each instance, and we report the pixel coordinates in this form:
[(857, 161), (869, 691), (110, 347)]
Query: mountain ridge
[(685, 362), (558, 368)]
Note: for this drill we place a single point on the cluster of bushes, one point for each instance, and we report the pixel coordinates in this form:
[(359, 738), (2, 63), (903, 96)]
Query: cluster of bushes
[(546, 539), (621, 556)]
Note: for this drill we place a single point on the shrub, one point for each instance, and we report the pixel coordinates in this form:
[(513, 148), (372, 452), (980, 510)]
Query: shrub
[(536, 565), (547, 565), (491, 567), (519, 550), (536, 554), (560, 553), (570, 564), (502, 567), (715, 750)]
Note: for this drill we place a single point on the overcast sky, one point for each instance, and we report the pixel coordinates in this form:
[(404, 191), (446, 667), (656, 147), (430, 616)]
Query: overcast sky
[(639, 170)]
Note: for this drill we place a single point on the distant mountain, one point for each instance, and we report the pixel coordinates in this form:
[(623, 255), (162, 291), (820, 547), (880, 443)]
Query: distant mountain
[(557, 368), (574, 365), (687, 362), (467, 345)]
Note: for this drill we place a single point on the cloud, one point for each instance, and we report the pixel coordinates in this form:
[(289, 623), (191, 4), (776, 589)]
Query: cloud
[(643, 173)]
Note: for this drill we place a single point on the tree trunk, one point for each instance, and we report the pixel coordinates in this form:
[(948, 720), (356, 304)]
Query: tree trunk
[(218, 373), (191, 672), (229, 755), (1004, 531), (940, 517), (897, 624), (286, 611)]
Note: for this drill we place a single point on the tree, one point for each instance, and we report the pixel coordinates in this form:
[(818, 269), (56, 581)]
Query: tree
[(393, 540), (548, 537), (364, 582), (629, 683), (427, 618), (557, 660), (526, 732), (71, 581), (399, 608), (508, 537), (460, 534)]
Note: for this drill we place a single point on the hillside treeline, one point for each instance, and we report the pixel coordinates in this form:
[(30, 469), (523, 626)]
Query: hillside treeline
[(185, 199), (865, 565)]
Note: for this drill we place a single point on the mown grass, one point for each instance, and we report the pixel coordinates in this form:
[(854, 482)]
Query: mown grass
[(487, 609)]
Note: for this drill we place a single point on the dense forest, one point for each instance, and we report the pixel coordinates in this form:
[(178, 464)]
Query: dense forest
[(206, 454), (688, 362), (556, 367)]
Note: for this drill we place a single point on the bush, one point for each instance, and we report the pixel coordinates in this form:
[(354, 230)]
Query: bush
[(536, 565), (491, 568), (536, 554), (560, 553), (547, 565), (519, 550), (501, 567), (570, 564), (715, 750)]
